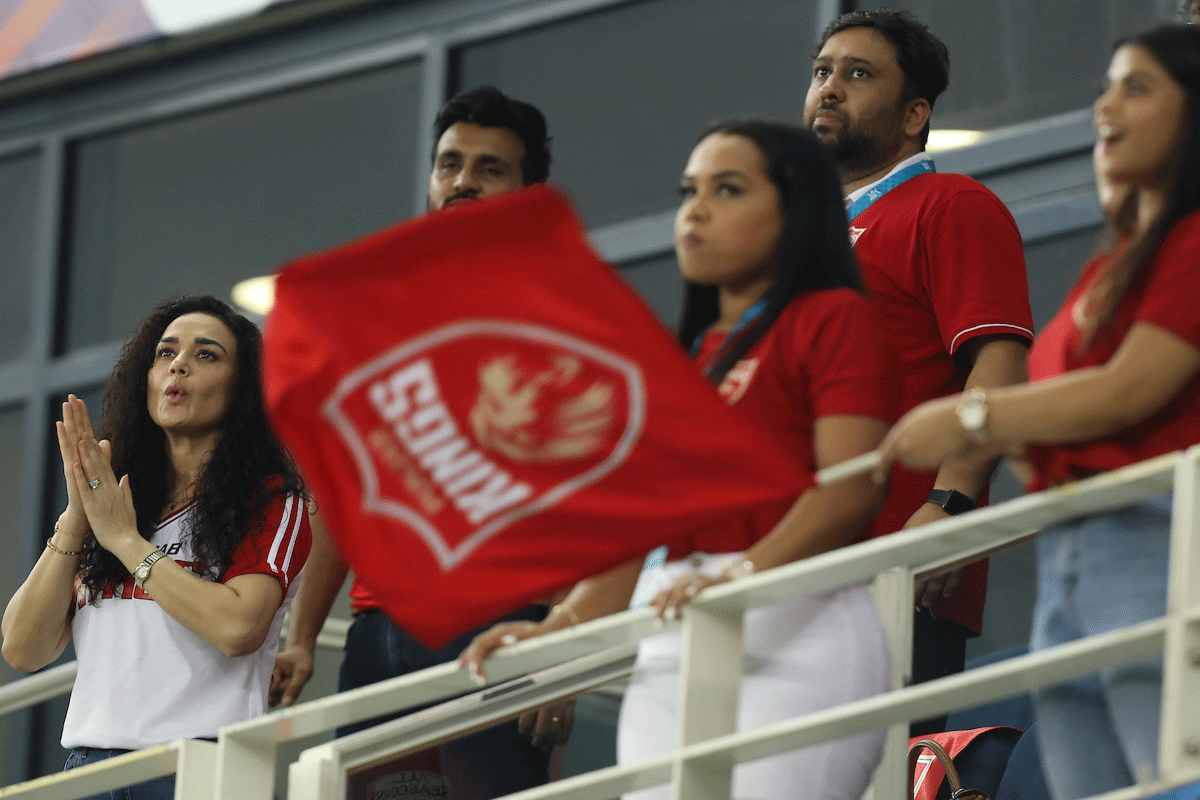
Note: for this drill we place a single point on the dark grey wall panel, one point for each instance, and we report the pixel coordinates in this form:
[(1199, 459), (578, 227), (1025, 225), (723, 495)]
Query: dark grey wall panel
[(198, 203), (18, 221), (1022, 59), (627, 91), (12, 572)]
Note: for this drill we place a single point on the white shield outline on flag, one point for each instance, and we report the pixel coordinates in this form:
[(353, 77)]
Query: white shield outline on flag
[(449, 557)]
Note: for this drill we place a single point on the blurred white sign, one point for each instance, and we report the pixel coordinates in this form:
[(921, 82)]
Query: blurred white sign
[(180, 16)]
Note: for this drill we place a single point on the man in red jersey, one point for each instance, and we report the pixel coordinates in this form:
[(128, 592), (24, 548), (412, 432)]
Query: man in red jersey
[(943, 258), (485, 144)]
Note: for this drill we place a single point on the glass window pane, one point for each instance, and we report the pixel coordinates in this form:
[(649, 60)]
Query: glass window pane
[(198, 203), (1016, 61), (623, 116), (18, 219)]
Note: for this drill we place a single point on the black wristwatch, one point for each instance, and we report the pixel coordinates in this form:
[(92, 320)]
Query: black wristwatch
[(952, 501)]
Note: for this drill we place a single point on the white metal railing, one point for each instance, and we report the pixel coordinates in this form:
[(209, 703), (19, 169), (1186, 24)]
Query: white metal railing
[(43, 686), (709, 745), (57, 681)]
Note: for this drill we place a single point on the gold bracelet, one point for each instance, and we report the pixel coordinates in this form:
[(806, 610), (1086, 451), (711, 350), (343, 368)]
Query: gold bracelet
[(566, 609), (50, 544)]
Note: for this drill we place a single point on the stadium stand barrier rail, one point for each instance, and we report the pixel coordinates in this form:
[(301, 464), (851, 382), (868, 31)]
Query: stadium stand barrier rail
[(535, 672)]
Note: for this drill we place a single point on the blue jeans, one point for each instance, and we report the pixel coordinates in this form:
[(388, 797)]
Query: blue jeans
[(1096, 575), (156, 789), (490, 763)]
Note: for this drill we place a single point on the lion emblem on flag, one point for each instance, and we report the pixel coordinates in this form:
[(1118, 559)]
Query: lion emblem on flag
[(545, 415)]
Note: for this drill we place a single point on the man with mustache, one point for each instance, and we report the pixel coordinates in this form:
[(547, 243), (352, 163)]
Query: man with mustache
[(943, 258), (485, 144)]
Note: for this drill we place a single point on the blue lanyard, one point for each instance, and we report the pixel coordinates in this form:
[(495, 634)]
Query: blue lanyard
[(887, 184), (747, 317)]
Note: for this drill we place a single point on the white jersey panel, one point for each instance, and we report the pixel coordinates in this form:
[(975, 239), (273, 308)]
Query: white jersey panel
[(144, 679)]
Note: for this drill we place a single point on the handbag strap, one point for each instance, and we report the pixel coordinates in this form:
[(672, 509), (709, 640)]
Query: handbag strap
[(957, 792)]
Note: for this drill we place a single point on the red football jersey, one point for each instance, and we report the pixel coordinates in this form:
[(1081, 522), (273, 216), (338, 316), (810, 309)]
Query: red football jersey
[(824, 356), (487, 413), (943, 258), (1164, 295)]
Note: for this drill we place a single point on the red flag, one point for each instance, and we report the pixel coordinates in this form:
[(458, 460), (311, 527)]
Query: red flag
[(486, 413)]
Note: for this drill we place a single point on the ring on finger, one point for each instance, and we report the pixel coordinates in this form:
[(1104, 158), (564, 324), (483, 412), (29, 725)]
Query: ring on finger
[(94, 484)]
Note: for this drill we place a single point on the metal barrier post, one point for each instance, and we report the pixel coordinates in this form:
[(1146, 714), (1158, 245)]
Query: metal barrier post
[(893, 593), (245, 768), (1179, 738), (710, 678), (314, 779), (196, 770)]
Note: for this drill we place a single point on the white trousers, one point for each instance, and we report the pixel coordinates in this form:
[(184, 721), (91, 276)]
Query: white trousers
[(801, 655)]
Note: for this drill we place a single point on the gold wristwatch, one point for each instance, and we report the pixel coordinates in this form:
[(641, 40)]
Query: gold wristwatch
[(142, 571)]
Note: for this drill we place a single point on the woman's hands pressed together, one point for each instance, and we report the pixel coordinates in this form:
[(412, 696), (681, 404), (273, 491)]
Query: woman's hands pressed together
[(106, 502), (73, 531), (36, 624)]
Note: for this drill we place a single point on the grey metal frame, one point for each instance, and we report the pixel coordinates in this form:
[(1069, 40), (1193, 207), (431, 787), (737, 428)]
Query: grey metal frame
[(1038, 168)]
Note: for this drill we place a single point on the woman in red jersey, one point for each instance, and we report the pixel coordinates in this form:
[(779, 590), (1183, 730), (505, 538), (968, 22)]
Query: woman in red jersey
[(775, 316), (1114, 379)]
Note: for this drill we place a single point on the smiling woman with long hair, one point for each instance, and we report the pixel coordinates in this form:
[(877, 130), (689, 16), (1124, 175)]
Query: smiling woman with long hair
[(172, 579), (1114, 379)]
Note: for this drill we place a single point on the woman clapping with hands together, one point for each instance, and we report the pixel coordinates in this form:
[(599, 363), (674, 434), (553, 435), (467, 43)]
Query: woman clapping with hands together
[(173, 578)]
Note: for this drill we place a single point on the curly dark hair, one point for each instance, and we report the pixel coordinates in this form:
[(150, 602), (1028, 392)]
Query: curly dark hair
[(248, 467)]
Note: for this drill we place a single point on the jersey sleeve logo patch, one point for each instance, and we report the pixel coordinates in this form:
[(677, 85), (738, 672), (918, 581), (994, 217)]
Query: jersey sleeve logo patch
[(856, 232), (477, 425)]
